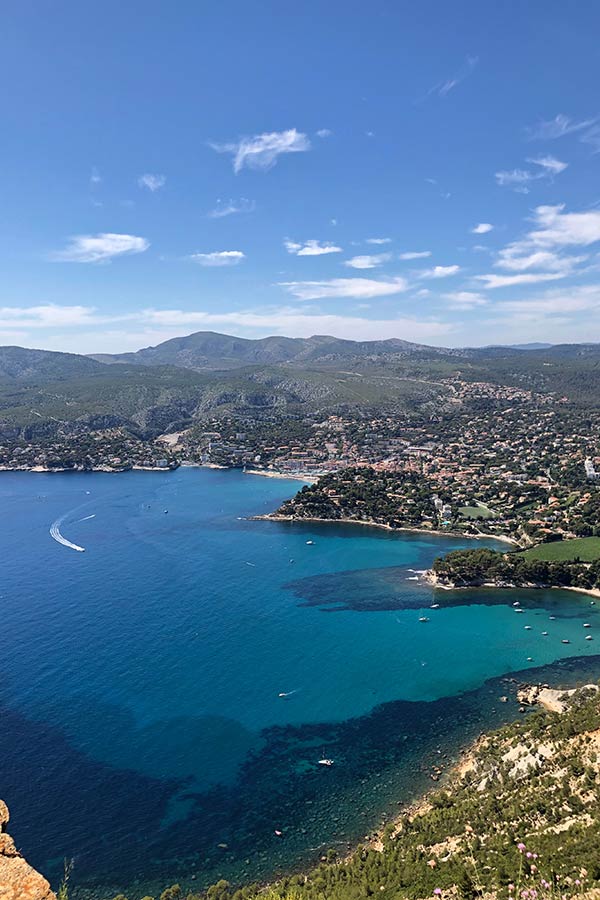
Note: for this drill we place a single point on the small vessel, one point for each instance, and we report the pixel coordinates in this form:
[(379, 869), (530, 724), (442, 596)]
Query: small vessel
[(520, 610), (586, 625), (528, 628), (309, 543), (544, 633), (588, 637), (278, 832), (530, 659), (565, 641), (552, 618), (165, 511), (423, 618), (435, 606), (326, 762), (284, 694), (412, 578), (516, 603)]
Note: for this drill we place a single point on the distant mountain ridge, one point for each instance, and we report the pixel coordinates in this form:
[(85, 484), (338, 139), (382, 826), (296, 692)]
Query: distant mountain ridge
[(209, 350), (210, 375)]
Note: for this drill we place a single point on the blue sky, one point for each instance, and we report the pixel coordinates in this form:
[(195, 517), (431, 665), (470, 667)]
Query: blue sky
[(425, 171)]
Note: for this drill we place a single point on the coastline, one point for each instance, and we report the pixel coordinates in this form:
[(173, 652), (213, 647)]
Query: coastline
[(267, 473), (432, 579), (274, 517)]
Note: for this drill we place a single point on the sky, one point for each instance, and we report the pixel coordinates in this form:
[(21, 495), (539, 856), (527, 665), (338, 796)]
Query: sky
[(426, 171)]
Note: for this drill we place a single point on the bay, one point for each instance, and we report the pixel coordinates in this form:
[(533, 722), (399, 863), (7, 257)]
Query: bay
[(143, 732)]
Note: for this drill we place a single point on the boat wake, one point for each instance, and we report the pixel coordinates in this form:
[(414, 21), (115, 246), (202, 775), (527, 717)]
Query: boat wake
[(60, 539), (85, 518)]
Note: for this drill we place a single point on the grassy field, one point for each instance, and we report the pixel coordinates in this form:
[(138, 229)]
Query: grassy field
[(474, 512), (586, 549)]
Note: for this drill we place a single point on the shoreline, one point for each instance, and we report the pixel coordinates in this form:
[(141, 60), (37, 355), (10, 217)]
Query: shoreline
[(266, 473), (431, 579), (274, 517)]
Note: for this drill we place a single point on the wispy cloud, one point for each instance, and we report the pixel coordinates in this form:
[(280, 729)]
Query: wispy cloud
[(93, 248), (377, 241), (440, 272), (549, 165), (443, 88), (500, 281), (465, 299), (95, 177), (518, 179), (261, 151), (482, 228), (152, 182), (368, 262), (514, 259), (311, 248), (219, 258), (324, 132), (231, 207), (557, 127), (415, 254), (356, 288)]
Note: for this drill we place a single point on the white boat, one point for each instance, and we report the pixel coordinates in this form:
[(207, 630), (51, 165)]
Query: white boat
[(588, 637), (435, 606), (528, 628), (586, 625), (412, 578), (565, 641), (310, 542), (326, 762), (544, 633), (424, 619), (520, 610)]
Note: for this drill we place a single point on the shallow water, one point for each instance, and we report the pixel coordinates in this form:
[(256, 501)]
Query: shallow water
[(139, 680)]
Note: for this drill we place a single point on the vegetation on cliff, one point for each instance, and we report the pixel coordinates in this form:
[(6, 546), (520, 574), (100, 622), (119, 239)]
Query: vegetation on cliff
[(521, 813), (465, 568)]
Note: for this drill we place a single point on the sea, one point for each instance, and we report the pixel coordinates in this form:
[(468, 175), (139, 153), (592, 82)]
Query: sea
[(173, 673)]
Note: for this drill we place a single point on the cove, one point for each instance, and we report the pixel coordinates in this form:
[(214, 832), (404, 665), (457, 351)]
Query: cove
[(142, 725)]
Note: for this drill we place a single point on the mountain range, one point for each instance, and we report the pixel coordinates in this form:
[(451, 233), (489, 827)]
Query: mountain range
[(210, 375)]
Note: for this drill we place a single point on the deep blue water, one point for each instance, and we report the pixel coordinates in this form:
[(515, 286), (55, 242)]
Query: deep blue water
[(141, 723)]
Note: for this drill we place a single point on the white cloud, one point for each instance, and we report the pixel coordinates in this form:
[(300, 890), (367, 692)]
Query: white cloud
[(378, 241), (512, 258), (558, 229), (152, 182), (324, 132), (356, 288), (310, 248), (262, 150), (440, 272), (513, 176), (443, 88), (367, 262), (92, 248), (219, 258), (465, 299), (499, 281), (549, 164), (415, 254), (231, 207), (558, 302), (95, 177), (557, 127), (519, 178), (482, 228)]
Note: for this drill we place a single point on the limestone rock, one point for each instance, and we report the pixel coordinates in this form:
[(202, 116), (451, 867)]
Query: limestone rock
[(18, 881)]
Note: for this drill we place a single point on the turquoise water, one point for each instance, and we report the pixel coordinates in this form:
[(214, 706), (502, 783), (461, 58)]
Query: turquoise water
[(142, 725)]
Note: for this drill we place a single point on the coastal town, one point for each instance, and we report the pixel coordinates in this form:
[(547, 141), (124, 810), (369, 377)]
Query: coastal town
[(501, 461)]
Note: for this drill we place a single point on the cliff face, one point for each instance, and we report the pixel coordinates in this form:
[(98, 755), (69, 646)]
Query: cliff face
[(18, 881)]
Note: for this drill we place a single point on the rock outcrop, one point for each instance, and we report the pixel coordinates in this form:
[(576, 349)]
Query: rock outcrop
[(18, 881)]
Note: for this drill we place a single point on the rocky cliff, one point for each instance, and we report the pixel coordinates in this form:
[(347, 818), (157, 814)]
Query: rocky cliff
[(18, 881)]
